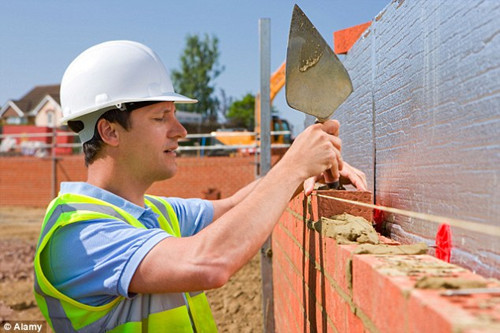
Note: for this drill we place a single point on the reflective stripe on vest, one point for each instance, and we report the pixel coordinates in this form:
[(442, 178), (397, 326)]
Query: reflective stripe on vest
[(145, 312)]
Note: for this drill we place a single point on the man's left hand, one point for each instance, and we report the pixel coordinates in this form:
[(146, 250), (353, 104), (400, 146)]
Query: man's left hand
[(348, 175)]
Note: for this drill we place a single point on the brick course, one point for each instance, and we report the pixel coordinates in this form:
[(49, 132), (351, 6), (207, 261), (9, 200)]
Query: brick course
[(319, 284)]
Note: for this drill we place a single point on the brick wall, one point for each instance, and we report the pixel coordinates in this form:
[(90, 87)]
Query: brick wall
[(423, 124), (423, 120), (26, 181), (197, 175), (322, 286)]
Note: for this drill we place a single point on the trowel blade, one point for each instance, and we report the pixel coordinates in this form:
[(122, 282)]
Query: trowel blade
[(316, 81)]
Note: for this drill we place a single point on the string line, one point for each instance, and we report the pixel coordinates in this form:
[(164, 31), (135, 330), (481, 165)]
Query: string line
[(472, 226)]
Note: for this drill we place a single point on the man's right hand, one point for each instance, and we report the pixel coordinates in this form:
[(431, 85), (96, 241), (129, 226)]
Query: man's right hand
[(316, 149)]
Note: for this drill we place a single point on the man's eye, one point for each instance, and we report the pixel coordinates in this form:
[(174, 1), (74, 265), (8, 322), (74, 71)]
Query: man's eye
[(160, 119)]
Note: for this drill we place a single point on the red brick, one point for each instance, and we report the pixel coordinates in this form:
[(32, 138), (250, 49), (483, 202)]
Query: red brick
[(298, 230), (296, 204), (427, 309), (474, 311), (298, 314), (283, 238), (329, 207), (277, 230), (336, 307), (277, 236), (353, 323), (344, 39), (366, 285), (282, 305), (287, 287), (381, 297), (343, 271), (297, 256), (287, 218), (332, 328)]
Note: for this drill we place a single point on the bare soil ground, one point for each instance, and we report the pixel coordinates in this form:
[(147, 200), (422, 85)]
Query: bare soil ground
[(236, 306)]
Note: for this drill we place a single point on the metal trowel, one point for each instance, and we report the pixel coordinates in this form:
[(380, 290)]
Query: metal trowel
[(316, 81)]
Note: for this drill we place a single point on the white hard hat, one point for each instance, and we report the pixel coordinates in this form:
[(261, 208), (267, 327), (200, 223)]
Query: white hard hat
[(107, 76)]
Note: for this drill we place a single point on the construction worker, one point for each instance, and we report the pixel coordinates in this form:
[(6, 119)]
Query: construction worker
[(110, 257)]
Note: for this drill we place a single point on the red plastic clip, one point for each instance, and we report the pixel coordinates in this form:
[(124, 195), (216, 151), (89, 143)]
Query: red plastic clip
[(378, 219), (443, 243)]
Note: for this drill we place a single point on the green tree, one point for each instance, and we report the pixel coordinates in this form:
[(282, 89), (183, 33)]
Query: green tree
[(199, 69), (241, 112)]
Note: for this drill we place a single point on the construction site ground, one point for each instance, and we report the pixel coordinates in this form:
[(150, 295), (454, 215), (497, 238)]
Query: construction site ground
[(236, 306)]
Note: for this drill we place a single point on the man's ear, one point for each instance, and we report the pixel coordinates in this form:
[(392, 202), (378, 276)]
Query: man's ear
[(108, 132)]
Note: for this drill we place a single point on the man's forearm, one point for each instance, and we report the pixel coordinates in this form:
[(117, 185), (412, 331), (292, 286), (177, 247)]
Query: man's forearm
[(242, 230), (210, 257), (223, 205)]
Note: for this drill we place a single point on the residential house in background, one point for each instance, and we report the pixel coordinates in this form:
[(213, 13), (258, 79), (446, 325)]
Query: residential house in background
[(27, 124), (40, 107)]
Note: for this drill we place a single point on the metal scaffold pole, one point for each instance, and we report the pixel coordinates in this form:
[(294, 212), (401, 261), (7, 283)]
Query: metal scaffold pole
[(54, 163), (265, 165)]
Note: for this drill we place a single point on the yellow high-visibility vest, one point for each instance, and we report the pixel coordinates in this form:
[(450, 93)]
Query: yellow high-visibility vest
[(169, 312)]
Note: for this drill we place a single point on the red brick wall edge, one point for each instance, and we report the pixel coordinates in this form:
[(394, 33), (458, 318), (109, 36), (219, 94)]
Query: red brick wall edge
[(321, 286)]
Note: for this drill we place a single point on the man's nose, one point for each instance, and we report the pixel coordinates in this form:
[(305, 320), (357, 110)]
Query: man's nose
[(177, 130)]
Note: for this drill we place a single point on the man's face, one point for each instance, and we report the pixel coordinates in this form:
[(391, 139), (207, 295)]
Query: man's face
[(148, 146)]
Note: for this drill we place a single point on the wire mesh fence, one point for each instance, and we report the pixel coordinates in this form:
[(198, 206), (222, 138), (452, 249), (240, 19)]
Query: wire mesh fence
[(217, 143)]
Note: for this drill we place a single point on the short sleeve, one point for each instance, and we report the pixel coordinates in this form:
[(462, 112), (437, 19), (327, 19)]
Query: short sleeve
[(94, 261), (193, 214)]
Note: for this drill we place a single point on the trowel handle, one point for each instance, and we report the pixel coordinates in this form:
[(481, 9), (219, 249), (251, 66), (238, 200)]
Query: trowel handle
[(335, 184)]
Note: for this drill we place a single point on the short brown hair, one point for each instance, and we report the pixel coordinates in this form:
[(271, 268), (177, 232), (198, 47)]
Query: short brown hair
[(121, 116)]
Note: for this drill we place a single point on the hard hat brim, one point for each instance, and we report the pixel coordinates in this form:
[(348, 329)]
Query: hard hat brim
[(167, 97)]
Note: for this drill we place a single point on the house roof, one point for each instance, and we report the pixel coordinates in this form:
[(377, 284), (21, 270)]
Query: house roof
[(30, 101)]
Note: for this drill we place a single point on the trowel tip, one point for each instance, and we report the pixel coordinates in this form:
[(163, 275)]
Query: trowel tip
[(296, 8)]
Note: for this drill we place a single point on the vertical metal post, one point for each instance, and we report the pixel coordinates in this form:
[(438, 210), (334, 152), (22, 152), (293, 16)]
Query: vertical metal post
[(257, 134), (265, 99), (265, 165), (54, 163)]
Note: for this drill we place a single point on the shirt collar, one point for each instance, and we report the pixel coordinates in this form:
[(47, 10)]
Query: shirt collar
[(101, 194)]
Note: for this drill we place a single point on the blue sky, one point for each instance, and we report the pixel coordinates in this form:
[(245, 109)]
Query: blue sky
[(40, 38)]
